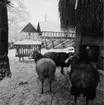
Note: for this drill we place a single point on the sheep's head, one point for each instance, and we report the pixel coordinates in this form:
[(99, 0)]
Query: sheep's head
[(35, 55), (72, 58)]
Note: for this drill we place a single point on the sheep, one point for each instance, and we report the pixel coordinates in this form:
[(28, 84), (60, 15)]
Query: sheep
[(45, 68), (84, 79), (58, 57)]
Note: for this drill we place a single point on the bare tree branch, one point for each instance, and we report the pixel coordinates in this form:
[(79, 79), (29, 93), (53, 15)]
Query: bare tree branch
[(17, 12)]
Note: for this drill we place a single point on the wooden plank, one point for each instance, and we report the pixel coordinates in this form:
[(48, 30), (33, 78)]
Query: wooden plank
[(52, 43), (25, 51), (55, 37)]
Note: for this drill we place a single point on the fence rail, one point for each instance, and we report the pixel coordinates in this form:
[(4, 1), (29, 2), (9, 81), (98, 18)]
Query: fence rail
[(26, 50)]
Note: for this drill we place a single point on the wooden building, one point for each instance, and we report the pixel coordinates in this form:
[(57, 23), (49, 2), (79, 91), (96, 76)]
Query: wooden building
[(53, 36), (49, 30), (26, 46)]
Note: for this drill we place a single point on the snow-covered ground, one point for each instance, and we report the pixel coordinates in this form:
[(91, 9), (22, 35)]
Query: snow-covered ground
[(24, 87)]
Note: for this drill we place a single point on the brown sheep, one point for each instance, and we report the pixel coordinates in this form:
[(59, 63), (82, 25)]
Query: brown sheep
[(45, 68)]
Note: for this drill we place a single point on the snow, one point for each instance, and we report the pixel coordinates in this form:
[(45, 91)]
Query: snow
[(11, 53), (28, 42), (67, 50)]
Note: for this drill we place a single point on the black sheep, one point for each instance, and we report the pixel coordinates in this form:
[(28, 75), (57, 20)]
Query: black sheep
[(59, 58), (84, 79)]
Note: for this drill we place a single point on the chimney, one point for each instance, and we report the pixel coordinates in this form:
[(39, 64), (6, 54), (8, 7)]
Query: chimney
[(45, 18)]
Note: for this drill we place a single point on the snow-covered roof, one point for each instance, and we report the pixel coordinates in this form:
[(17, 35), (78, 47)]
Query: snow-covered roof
[(49, 26), (28, 42)]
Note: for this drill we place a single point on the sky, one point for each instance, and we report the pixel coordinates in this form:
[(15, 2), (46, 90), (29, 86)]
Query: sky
[(39, 9)]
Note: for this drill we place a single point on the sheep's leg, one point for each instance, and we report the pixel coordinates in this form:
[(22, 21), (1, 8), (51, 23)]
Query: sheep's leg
[(62, 72), (42, 87), (50, 86), (75, 98), (87, 100)]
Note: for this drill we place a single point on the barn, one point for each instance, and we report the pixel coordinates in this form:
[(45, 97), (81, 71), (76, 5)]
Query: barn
[(53, 36)]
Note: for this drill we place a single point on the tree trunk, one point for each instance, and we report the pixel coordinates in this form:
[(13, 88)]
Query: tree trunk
[(4, 60), (78, 40)]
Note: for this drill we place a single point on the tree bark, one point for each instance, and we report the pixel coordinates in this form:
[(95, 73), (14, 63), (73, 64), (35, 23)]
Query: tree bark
[(78, 40), (4, 60)]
